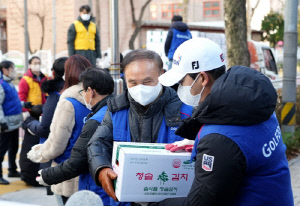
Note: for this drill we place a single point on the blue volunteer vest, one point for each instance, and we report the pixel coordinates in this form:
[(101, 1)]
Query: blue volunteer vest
[(42, 139), (11, 104), (86, 181), (178, 38), (267, 180), (121, 132), (80, 112)]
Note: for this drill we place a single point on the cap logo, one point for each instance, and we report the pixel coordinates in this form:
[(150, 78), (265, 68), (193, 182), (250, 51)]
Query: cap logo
[(177, 62), (222, 57), (195, 65)]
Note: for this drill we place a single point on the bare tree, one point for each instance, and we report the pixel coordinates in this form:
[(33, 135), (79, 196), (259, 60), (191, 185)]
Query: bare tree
[(37, 8), (185, 4), (236, 32), (137, 23), (250, 13)]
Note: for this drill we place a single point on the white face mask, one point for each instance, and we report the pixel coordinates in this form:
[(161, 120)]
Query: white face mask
[(85, 17), (88, 105), (35, 68), (143, 94), (184, 94), (63, 77), (13, 74)]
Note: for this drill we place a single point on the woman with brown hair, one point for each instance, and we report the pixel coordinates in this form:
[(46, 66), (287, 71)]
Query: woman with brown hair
[(66, 125)]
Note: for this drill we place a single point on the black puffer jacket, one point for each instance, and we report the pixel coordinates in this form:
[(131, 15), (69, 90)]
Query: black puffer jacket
[(52, 87), (144, 125), (176, 25), (242, 96)]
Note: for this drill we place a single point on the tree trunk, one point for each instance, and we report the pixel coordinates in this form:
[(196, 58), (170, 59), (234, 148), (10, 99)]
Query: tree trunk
[(236, 33), (134, 35)]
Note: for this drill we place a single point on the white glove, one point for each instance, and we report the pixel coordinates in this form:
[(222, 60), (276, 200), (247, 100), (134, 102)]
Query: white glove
[(35, 154), (40, 180), (183, 145), (184, 142)]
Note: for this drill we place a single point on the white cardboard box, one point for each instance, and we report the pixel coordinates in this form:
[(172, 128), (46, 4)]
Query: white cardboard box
[(149, 173)]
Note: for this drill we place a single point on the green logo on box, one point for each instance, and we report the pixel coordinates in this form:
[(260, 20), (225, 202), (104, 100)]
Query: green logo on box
[(163, 177)]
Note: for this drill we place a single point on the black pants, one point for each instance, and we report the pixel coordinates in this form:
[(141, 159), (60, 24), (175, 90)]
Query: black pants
[(9, 141)]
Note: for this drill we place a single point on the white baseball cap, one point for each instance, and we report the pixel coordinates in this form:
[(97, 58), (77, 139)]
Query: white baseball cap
[(193, 56)]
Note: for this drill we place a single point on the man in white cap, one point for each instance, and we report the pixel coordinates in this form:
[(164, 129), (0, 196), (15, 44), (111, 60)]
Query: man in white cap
[(240, 156)]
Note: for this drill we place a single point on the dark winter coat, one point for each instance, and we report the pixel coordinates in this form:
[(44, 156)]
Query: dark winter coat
[(144, 125), (178, 25), (242, 97), (52, 87), (89, 54)]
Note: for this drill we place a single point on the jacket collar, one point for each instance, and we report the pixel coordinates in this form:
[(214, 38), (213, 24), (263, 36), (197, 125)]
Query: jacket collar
[(99, 105), (7, 79), (72, 92), (34, 77), (168, 103)]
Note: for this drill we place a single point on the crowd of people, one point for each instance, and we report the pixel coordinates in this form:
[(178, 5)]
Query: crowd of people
[(73, 118)]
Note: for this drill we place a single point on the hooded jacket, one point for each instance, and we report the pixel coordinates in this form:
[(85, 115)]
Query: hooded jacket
[(177, 34), (9, 97), (52, 87), (234, 124), (91, 55)]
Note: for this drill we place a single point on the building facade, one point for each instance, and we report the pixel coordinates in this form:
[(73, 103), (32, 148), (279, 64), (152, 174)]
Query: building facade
[(201, 15)]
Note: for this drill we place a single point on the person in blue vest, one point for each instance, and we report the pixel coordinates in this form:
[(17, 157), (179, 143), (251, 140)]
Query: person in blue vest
[(146, 112), (178, 33), (10, 118), (66, 126), (97, 88), (239, 152), (41, 129)]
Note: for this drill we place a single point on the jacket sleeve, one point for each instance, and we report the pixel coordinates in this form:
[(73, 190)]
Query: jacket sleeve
[(168, 41), (77, 163), (219, 186), (42, 129), (23, 92), (97, 44), (61, 130), (71, 39), (100, 148), (2, 97)]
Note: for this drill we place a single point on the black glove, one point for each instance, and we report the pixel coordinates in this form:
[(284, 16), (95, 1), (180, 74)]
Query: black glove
[(27, 121), (3, 127), (36, 111), (28, 105)]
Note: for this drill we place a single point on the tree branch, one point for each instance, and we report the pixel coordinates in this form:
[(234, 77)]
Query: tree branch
[(143, 10), (132, 12), (254, 8)]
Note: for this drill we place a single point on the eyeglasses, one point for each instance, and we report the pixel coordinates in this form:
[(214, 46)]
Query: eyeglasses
[(80, 92)]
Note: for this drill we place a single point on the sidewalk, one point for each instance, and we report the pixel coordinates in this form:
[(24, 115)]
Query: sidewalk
[(294, 166), (37, 196)]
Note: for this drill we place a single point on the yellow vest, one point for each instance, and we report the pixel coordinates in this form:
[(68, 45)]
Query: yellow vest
[(85, 40), (34, 93)]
